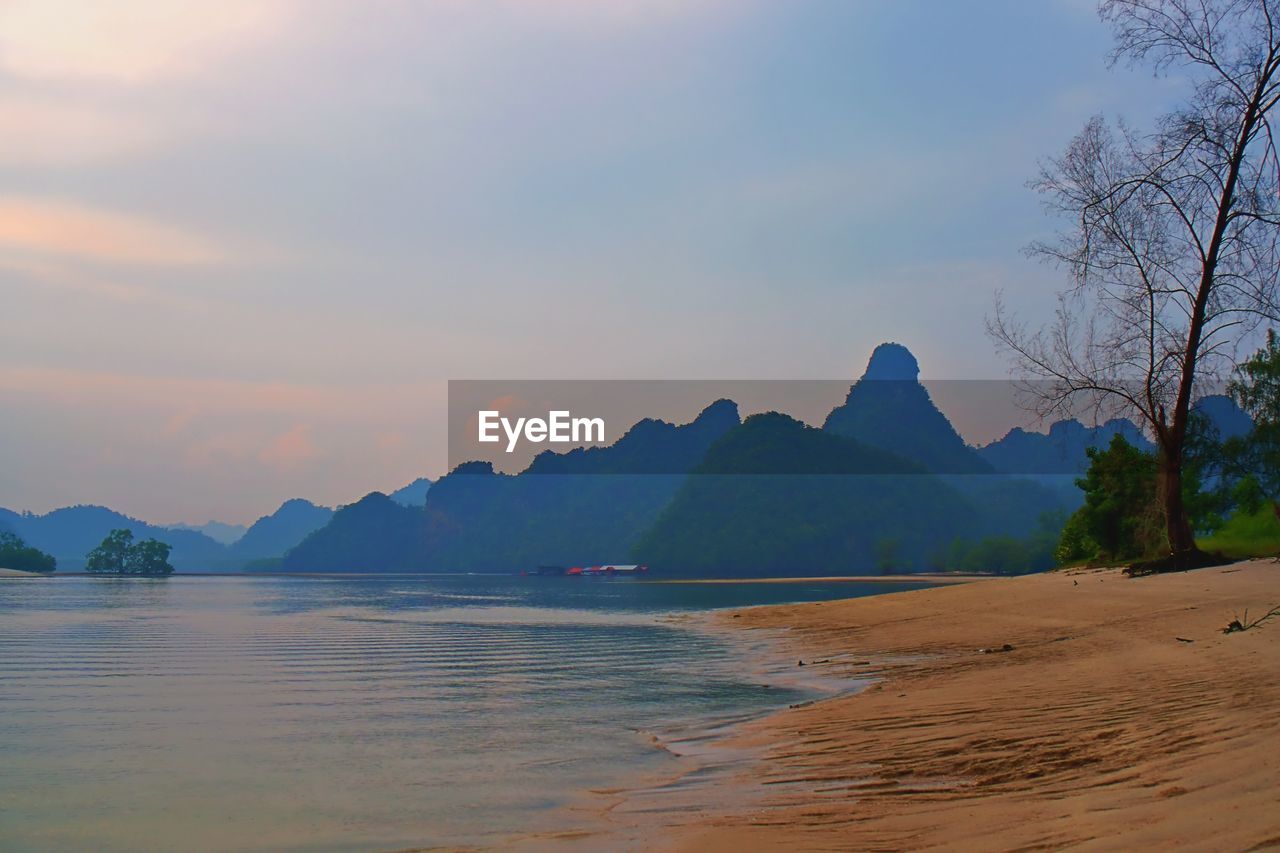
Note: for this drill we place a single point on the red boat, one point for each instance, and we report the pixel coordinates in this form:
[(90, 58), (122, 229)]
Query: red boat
[(610, 571)]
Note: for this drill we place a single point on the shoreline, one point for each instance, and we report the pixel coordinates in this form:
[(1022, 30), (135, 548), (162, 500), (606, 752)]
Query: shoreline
[(1121, 715), (703, 751), (920, 578)]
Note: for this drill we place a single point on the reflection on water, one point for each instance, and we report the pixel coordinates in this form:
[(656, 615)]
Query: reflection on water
[(343, 713)]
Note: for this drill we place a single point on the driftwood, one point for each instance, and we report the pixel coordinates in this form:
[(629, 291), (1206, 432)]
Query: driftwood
[(1243, 624)]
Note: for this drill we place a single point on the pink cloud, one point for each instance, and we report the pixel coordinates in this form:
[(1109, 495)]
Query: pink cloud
[(216, 452), (47, 227), (201, 447), (289, 449), (390, 442)]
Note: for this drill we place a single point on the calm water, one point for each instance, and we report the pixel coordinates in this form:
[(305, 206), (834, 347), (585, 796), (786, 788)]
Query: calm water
[(337, 713)]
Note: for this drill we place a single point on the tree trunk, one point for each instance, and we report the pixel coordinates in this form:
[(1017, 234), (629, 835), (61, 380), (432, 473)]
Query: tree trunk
[(1182, 542)]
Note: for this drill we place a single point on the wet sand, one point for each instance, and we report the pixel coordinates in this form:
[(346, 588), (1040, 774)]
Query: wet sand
[(919, 577), (1120, 718)]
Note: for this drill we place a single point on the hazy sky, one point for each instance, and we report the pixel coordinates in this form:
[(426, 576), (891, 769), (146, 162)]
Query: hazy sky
[(243, 245)]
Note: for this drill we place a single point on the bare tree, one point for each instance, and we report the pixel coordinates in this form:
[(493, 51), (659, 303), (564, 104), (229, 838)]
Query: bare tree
[(1174, 251)]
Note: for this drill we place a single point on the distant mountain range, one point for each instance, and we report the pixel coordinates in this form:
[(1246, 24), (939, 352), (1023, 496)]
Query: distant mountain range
[(216, 530), (886, 480), (71, 532), (414, 494), (1062, 449), (585, 505), (273, 535), (775, 496)]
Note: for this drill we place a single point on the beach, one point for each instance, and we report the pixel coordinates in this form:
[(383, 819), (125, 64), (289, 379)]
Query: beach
[(1070, 708)]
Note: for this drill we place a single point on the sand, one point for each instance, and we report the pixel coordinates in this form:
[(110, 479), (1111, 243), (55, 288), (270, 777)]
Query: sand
[(920, 578), (1100, 728)]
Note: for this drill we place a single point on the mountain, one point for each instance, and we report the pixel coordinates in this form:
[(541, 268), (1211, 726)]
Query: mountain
[(1060, 451), (373, 534), (649, 447), (1228, 419), (886, 481), (778, 497), (273, 535), (776, 444), (889, 409), (71, 532), (414, 494), (216, 530), (581, 507)]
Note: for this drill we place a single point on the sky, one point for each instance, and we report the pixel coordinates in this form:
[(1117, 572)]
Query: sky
[(244, 245)]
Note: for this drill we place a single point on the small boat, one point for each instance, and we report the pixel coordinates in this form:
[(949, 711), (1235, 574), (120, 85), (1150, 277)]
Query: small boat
[(612, 570)]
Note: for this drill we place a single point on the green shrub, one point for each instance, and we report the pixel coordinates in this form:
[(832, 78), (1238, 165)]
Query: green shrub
[(1247, 534), (16, 554)]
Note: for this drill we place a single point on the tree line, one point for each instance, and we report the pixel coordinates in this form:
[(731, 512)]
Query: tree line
[(18, 555), (118, 554)]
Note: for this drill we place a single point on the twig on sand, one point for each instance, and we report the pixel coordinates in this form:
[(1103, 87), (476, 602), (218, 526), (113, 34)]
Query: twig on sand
[(1238, 623)]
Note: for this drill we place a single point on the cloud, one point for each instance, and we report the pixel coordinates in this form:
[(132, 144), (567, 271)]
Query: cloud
[(218, 452), (97, 387), (140, 41), (125, 40), (609, 12), (289, 449), (41, 275), (47, 133), (45, 227), (390, 441)]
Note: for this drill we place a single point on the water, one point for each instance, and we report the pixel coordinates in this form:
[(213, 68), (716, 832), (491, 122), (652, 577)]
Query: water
[(213, 713)]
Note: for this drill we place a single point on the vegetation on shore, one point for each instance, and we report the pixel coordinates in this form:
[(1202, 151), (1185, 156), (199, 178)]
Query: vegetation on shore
[(120, 555), (1231, 487), (1247, 534), (18, 555), (1006, 555)]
